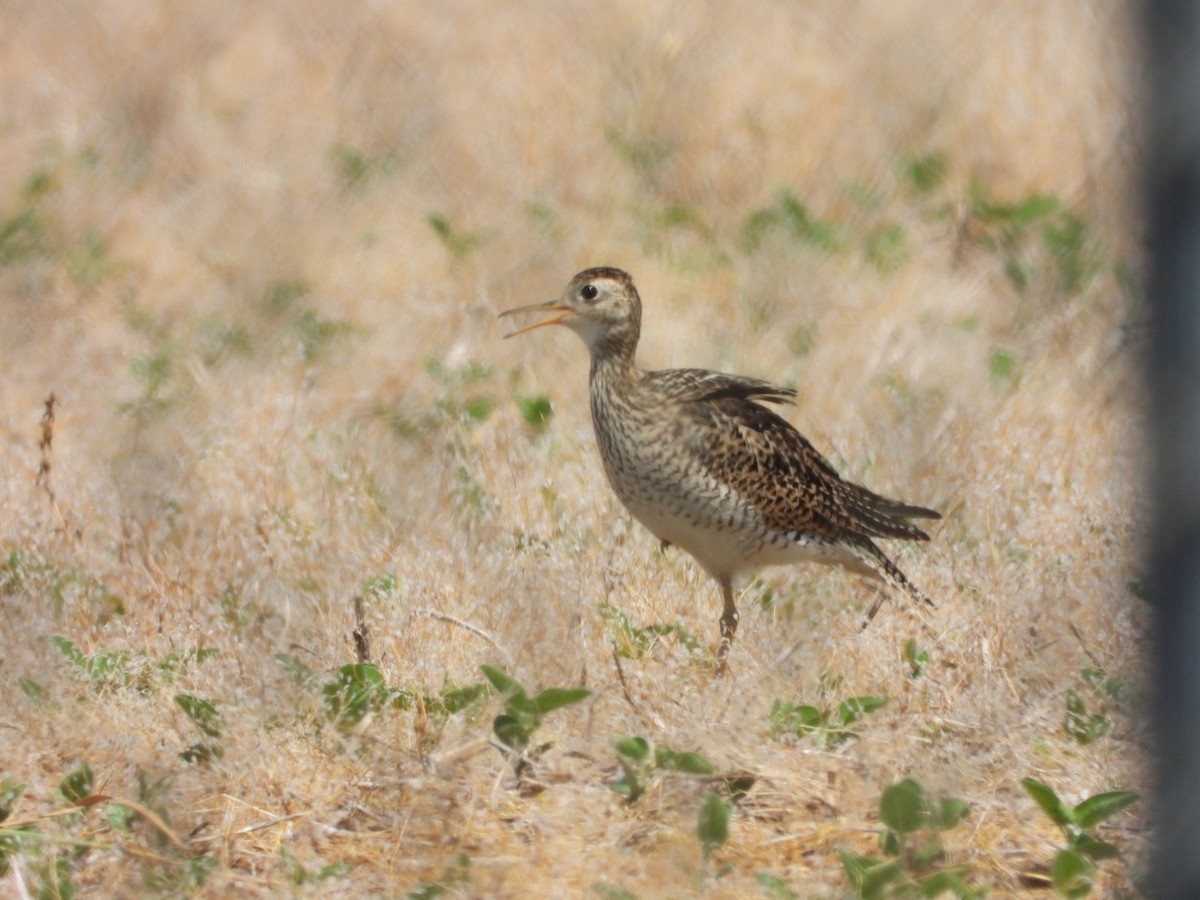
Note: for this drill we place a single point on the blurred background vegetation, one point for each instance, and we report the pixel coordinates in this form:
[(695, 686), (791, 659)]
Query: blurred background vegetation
[(254, 251)]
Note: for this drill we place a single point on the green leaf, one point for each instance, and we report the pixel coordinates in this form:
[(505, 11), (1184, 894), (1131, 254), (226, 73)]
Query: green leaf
[(1110, 687), (1002, 366), (34, 691), (947, 882), (853, 709), (756, 226), (537, 410), (203, 712), (1043, 795), (884, 248), (915, 656), (78, 784), (692, 763), (890, 843), (712, 827), (635, 748), (632, 756), (1094, 848), (739, 785), (381, 586), (511, 732), (902, 806), (505, 684), (1010, 214), (1095, 810), (174, 662), (856, 866), (455, 700), (1017, 273), (357, 690), (1071, 245), (556, 698), (201, 752), (1072, 873), (951, 811), (67, 649), (877, 877), (797, 720), (926, 172), (1081, 725), (120, 818), (804, 226), (479, 407), (1035, 207)]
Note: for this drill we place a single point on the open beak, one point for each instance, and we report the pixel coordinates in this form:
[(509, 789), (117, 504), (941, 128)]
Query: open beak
[(553, 306)]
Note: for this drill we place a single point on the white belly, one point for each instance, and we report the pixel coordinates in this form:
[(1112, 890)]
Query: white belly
[(729, 552)]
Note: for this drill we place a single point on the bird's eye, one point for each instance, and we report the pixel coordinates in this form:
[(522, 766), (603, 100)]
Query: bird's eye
[(589, 293)]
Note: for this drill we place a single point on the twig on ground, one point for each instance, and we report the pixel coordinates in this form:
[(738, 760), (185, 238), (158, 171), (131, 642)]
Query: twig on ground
[(428, 613)]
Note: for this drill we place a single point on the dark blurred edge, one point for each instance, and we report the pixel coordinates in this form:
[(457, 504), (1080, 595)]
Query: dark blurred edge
[(1172, 185)]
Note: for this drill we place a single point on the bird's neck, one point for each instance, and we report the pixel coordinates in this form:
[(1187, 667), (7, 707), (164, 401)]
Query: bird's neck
[(614, 371)]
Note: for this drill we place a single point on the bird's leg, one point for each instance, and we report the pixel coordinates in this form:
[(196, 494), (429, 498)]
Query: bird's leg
[(729, 621)]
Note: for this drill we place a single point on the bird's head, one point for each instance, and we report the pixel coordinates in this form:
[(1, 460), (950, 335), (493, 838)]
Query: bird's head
[(600, 305)]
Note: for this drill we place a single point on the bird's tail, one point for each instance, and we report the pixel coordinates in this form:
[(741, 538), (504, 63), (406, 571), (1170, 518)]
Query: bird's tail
[(878, 563)]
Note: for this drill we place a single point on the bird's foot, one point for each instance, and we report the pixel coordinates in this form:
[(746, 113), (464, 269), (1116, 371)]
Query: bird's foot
[(723, 657)]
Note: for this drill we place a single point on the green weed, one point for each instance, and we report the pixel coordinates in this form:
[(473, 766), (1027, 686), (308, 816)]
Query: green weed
[(77, 785), (523, 714), (1073, 868), (23, 233), (458, 242), (712, 824), (639, 763), (153, 372), (885, 248), (536, 410), (789, 216), (205, 716), (632, 642), (911, 847), (828, 726), (915, 656), (358, 170), (358, 690), (925, 173), (644, 157), (469, 699), (1003, 368), (1036, 237), (107, 669), (459, 401)]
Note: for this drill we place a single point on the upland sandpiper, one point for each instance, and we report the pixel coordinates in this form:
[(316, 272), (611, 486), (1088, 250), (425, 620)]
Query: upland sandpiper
[(697, 459)]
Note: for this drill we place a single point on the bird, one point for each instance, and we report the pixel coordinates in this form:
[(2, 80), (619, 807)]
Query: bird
[(699, 460)]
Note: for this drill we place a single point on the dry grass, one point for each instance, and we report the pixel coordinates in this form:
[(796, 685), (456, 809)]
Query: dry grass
[(279, 388)]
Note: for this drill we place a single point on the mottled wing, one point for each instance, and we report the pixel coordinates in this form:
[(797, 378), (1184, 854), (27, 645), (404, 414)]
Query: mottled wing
[(701, 385), (770, 464)]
